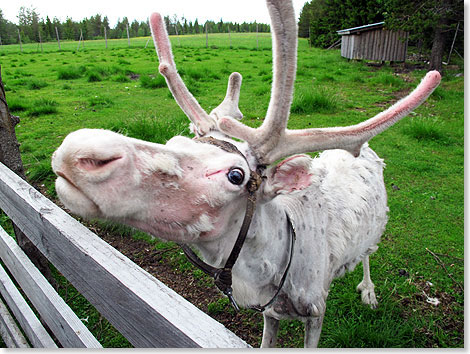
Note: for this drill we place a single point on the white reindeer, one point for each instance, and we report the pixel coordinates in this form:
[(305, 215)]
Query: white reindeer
[(313, 219)]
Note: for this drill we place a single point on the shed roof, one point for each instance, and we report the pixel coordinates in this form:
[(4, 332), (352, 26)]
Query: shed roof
[(359, 29)]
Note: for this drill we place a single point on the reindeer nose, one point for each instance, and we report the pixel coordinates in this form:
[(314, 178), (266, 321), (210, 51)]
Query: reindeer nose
[(61, 174)]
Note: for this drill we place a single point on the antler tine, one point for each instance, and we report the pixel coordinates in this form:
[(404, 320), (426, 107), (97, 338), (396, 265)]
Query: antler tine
[(229, 106), (351, 138), (202, 121), (284, 39)]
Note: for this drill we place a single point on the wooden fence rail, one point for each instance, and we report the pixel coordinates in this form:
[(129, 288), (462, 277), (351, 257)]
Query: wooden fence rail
[(143, 309)]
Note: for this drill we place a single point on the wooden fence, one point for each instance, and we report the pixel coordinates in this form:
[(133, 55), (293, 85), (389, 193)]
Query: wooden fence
[(144, 310)]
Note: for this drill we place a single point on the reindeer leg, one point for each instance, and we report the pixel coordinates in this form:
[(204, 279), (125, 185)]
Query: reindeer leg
[(313, 327), (271, 326), (366, 287)]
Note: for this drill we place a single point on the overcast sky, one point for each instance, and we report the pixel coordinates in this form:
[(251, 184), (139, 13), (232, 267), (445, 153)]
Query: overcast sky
[(230, 11)]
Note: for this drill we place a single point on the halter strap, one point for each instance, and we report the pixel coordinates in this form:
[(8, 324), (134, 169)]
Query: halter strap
[(223, 276)]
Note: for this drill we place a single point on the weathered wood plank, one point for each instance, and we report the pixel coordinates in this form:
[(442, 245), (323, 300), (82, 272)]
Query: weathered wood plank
[(143, 309), (9, 330), (63, 322), (28, 321), (378, 44)]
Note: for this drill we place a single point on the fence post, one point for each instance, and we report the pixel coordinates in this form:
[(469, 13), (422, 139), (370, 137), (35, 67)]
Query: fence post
[(57, 33), (453, 42), (81, 40), (40, 40), (257, 41), (106, 37), (19, 37), (128, 39), (11, 157), (177, 36)]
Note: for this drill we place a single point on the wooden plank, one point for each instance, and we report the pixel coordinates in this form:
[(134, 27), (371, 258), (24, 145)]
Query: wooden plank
[(62, 321), (143, 309), (28, 321), (9, 330)]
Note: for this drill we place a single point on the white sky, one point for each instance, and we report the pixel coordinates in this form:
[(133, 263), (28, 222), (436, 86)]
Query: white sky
[(230, 11)]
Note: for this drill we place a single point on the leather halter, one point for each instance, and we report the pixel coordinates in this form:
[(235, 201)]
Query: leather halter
[(223, 276)]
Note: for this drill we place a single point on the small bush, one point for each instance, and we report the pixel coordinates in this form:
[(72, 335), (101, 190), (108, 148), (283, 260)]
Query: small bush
[(43, 106), (100, 102), (262, 90), (152, 82), (93, 76), (16, 105), (388, 80), (70, 73), (121, 78), (200, 74), (36, 84), (424, 130), (151, 128), (21, 73), (105, 71), (123, 62), (311, 100)]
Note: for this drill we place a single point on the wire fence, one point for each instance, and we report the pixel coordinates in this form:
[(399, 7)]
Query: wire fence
[(260, 41)]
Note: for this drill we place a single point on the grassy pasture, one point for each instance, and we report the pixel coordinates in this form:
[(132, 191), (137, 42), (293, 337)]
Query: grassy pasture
[(55, 93)]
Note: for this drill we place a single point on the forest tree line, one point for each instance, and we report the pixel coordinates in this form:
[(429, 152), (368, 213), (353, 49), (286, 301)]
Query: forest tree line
[(34, 28)]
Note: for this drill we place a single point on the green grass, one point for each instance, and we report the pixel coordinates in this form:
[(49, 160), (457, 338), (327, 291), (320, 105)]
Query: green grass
[(152, 82), (120, 89), (314, 100), (70, 73), (43, 106)]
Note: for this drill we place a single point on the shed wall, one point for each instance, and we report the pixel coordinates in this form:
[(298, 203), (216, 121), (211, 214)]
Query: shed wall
[(380, 45)]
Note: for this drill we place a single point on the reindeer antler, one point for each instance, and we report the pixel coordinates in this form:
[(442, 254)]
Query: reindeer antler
[(229, 106), (348, 138), (273, 141), (284, 37), (203, 122)]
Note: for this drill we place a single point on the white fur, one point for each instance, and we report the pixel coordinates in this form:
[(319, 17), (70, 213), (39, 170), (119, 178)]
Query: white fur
[(336, 203), (163, 163)]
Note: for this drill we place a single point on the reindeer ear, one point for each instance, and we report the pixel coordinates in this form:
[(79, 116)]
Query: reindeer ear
[(290, 175)]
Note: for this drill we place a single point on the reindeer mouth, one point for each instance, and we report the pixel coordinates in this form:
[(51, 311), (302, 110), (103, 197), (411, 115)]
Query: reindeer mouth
[(74, 199)]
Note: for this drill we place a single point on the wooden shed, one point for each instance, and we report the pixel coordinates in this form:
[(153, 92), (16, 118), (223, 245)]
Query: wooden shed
[(373, 42)]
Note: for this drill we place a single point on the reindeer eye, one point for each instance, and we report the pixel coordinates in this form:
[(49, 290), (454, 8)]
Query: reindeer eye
[(236, 176)]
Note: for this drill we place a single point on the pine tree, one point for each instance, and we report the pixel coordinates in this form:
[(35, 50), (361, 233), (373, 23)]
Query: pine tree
[(432, 22), (305, 19)]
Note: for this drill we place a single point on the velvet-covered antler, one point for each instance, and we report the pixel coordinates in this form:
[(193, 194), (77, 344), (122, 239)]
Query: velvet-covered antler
[(229, 106), (203, 122), (348, 138), (272, 141)]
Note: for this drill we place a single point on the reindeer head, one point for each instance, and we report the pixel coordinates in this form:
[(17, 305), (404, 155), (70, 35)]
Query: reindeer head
[(188, 190)]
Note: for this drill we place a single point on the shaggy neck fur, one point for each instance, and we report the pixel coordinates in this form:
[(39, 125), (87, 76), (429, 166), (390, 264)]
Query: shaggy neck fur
[(325, 248)]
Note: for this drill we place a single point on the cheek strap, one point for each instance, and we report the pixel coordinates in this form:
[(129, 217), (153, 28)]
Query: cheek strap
[(223, 276)]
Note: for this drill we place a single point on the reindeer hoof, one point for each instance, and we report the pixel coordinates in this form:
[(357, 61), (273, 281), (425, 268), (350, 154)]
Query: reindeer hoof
[(368, 294)]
